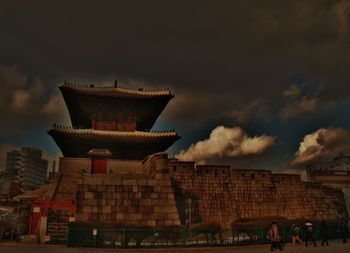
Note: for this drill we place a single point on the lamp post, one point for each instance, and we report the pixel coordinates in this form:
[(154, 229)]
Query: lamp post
[(189, 217)]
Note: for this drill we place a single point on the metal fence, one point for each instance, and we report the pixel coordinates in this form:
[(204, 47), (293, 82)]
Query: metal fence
[(180, 236)]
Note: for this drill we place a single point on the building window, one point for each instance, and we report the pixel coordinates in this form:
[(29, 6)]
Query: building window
[(252, 176), (174, 168)]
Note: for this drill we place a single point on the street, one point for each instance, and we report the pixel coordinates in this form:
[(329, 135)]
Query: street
[(335, 247)]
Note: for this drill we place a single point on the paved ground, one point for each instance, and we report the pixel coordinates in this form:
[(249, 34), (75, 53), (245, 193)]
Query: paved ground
[(336, 247)]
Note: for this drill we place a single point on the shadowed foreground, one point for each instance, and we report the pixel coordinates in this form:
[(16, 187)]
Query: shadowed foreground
[(335, 246)]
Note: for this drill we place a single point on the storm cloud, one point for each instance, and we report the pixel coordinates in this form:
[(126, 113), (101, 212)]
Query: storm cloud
[(231, 63), (25, 102)]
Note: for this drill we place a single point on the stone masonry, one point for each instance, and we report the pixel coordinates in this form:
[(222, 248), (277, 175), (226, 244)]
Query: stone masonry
[(222, 195), (144, 199), (158, 195)]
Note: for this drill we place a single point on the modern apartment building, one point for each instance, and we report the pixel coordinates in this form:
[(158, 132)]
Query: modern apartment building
[(28, 167)]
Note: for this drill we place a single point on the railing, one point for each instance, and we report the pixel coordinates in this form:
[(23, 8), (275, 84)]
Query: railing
[(180, 236)]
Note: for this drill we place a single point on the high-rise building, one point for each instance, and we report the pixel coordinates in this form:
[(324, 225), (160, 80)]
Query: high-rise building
[(27, 167)]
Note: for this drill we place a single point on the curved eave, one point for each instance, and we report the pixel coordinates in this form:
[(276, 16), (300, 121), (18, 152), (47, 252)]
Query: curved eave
[(112, 136), (115, 92)]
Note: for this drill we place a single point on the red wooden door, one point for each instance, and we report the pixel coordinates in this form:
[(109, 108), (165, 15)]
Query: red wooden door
[(99, 166)]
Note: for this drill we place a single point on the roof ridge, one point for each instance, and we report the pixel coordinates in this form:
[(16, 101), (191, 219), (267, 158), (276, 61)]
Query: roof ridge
[(120, 89), (62, 128)]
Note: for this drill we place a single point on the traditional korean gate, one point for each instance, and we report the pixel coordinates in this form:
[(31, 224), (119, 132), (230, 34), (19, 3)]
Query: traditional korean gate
[(57, 225), (58, 214), (38, 210)]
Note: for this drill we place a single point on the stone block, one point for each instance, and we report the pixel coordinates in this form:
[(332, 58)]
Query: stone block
[(173, 216), (129, 182), (151, 223), (80, 195), (91, 188), (141, 182), (151, 182), (82, 187), (154, 196), (110, 202), (120, 216), (110, 188), (98, 179), (82, 217), (101, 188), (169, 222), (112, 180), (106, 209), (89, 195), (87, 209), (101, 202), (94, 209)]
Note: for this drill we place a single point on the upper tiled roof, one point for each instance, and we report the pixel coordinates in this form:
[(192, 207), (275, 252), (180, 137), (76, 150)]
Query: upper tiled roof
[(112, 91)]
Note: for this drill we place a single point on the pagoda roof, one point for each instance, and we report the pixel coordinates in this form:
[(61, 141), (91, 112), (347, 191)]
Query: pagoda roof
[(111, 136), (112, 91), (134, 145)]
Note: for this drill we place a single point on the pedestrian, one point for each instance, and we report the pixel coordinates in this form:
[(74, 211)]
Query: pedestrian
[(343, 229), (309, 235), (295, 230), (324, 233), (274, 236)]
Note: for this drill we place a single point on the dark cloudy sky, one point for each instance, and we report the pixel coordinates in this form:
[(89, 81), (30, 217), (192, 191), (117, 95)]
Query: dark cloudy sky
[(258, 84)]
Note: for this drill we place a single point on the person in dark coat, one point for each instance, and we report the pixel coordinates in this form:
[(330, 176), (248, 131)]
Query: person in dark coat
[(309, 235), (324, 233), (343, 229)]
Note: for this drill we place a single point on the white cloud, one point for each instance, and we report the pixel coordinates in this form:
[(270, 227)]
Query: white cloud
[(323, 144), (226, 142)]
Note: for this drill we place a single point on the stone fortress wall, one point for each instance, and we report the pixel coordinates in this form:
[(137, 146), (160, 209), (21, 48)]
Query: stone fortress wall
[(158, 194), (222, 195)]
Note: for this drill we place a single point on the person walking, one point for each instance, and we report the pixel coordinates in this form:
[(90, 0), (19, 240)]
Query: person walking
[(274, 236), (309, 235), (324, 233), (343, 229), (295, 230)]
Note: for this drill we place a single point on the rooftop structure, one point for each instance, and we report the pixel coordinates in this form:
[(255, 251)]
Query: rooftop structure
[(335, 173), (113, 118)]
